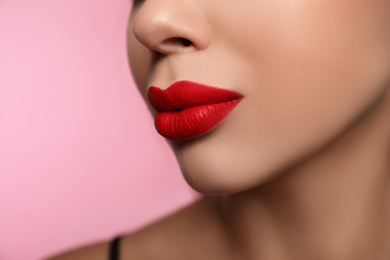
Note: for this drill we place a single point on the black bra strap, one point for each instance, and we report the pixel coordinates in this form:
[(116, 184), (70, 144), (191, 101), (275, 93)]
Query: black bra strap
[(114, 248)]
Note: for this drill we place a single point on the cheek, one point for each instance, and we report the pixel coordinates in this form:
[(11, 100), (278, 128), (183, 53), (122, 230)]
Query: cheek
[(323, 73), (320, 63), (334, 65), (140, 60), (311, 69)]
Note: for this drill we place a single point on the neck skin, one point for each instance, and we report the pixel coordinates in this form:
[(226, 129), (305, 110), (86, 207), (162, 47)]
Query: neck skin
[(336, 205)]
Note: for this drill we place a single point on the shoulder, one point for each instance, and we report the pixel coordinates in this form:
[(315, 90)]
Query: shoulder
[(172, 236), (192, 230)]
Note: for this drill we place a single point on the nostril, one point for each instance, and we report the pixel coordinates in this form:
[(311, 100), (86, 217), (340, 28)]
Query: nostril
[(177, 41), (185, 42)]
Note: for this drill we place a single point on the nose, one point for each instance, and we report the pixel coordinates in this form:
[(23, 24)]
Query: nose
[(170, 26)]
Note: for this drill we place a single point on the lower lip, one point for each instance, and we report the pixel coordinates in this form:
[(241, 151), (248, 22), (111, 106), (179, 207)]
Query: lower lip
[(192, 122)]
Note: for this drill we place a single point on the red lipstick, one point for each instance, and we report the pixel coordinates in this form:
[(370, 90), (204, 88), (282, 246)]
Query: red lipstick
[(187, 109)]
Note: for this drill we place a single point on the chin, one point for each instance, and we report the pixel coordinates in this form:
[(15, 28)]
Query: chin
[(228, 161), (214, 167)]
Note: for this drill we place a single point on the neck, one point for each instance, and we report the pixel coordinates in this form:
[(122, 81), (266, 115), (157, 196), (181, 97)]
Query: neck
[(335, 205)]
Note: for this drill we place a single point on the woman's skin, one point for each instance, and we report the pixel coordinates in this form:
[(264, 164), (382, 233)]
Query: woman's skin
[(300, 168)]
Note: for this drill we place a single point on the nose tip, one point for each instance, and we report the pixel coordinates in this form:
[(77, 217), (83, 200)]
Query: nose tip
[(170, 27)]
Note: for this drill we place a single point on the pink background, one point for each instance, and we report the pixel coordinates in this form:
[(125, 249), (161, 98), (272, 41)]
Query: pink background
[(80, 160)]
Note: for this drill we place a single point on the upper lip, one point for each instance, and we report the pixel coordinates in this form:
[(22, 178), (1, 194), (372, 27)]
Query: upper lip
[(184, 94)]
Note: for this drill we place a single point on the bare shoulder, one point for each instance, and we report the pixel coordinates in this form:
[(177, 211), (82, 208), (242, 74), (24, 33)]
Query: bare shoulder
[(181, 233), (192, 231), (97, 251)]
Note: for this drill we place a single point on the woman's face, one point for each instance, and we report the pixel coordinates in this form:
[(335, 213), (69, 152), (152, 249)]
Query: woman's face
[(307, 70)]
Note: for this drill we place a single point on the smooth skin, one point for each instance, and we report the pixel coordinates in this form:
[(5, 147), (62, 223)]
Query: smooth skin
[(300, 168)]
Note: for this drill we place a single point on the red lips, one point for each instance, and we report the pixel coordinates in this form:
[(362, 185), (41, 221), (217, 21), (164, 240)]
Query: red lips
[(188, 109)]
